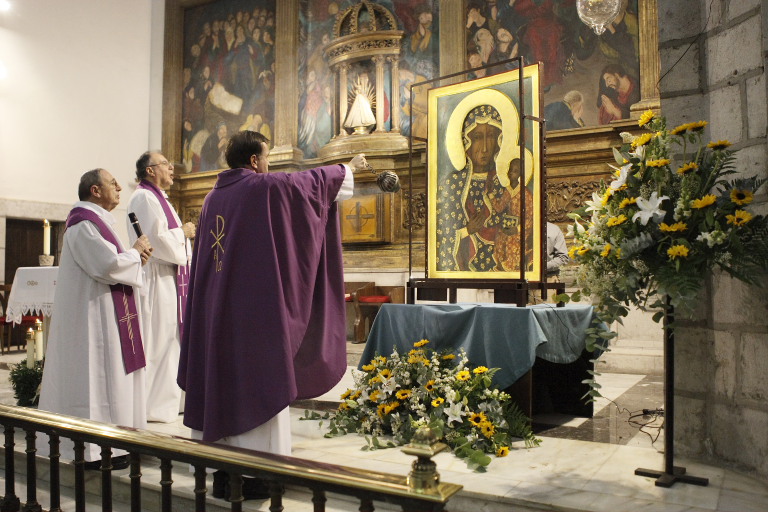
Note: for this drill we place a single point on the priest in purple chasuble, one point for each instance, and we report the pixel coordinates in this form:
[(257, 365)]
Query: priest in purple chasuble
[(166, 275), (265, 320), (94, 365)]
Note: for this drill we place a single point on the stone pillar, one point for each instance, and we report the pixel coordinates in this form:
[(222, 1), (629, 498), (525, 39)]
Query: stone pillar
[(286, 129), (649, 57), (379, 61), (343, 101), (713, 64), (453, 44), (394, 103)]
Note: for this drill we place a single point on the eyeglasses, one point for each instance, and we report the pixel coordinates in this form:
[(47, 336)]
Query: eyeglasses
[(167, 163)]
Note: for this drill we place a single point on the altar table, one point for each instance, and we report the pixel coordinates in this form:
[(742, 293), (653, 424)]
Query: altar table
[(494, 335), (32, 292)]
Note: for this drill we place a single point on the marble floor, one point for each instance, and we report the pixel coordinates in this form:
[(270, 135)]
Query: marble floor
[(581, 465)]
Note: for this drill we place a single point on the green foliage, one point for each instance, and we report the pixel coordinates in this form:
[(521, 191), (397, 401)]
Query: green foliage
[(395, 396), (658, 227), (26, 383)]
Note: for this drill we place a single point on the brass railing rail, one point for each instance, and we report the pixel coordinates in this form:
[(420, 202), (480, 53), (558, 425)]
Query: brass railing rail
[(410, 493)]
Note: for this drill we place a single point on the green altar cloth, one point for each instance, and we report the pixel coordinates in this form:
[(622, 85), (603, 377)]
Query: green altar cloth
[(493, 335)]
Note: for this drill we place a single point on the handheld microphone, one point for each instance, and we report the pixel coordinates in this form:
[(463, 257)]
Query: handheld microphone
[(135, 224)]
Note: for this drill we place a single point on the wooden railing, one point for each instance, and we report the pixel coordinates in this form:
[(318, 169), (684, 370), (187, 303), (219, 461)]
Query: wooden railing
[(420, 491)]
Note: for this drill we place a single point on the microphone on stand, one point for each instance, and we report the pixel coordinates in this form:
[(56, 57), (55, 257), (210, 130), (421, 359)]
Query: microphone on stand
[(135, 224)]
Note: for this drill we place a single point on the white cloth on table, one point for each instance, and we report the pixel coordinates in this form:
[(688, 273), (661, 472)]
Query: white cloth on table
[(32, 292), (84, 372), (158, 304)]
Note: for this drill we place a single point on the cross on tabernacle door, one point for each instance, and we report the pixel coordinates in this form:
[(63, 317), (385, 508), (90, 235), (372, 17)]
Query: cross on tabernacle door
[(360, 216)]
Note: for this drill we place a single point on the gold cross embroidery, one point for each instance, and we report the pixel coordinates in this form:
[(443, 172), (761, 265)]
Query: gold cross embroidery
[(217, 241), (127, 319)]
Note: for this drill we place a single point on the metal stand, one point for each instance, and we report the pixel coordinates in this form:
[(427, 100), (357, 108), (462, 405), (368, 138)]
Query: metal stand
[(671, 473)]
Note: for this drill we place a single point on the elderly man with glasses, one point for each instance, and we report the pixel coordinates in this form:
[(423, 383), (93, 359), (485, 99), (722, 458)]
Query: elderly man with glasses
[(163, 298)]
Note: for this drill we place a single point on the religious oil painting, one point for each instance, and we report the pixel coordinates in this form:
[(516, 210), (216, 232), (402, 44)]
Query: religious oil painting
[(418, 61), (228, 77), (587, 80), (475, 191)]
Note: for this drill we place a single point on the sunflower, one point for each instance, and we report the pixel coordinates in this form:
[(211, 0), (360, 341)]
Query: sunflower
[(386, 373), (703, 202), (437, 402), (645, 118), (627, 201), (677, 226), (463, 375), (477, 418), (697, 126), (606, 251), (677, 251), (487, 429), (502, 451), (642, 140), (430, 385), (420, 343), (374, 397), (479, 370), (448, 357), (658, 163), (741, 197), (368, 367), (615, 221), (717, 145), (739, 217), (690, 166), (402, 394)]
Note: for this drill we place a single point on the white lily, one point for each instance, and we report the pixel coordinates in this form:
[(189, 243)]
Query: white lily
[(649, 209), (454, 412), (622, 178), (596, 204)]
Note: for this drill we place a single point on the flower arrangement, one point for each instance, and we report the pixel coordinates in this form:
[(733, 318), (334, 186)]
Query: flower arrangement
[(26, 382), (396, 395), (659, 226)]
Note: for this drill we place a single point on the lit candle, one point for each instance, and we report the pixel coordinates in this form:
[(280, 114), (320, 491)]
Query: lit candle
[(46, 237), (30, 348), (38, 340)]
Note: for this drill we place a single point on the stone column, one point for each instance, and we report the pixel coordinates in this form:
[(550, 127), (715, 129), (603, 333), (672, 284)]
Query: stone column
[(343, 102), (649, 56), (379, 61), (394, 104), (286, 129)]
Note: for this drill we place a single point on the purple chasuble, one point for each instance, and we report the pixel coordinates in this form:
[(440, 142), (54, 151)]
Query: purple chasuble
[(182, 271), (265, 320), (122, 297)]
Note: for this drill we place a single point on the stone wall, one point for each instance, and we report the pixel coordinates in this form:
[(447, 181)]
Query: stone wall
[(713, 59)]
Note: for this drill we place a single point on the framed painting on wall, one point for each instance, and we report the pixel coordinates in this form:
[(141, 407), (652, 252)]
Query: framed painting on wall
[(474, 166), (219, 76)]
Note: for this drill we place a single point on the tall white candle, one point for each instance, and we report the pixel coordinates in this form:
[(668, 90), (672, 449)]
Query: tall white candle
[(38, 340), (46, 237), (30, 348)]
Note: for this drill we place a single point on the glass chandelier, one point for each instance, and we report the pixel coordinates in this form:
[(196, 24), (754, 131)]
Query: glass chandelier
[(597, 14)]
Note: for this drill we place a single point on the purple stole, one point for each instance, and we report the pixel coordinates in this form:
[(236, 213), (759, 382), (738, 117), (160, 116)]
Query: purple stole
[(182, 271), (122, 296)]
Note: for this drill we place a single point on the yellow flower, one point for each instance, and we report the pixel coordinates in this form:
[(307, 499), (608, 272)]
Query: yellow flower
[(380, 360), (658, 163), (697, 125), (720, 144), (381, 410), (582, 250), (343, 406), (415, 352), (391, 406), (420, 343), (617, 252), (606, 251), (437, 402), (615, 221), (606, 196), (677, 251), (739, 217), (502, 451), (356, 395), (679, 129), (479, 370), (386, 373), (487, 429), (572, 251), (642, 140), (741, 197), (690, 166), (346, 394), (448, 357), (374, 397), (477, 418), (627, 201), (645, 118), (429, 386), (368, 367), (677, 226), (703, 202), (402, 394), (463, 375), (375, 379)]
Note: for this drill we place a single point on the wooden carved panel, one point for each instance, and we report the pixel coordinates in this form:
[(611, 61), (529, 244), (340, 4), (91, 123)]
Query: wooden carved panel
[(566, 196), (365, 219)]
